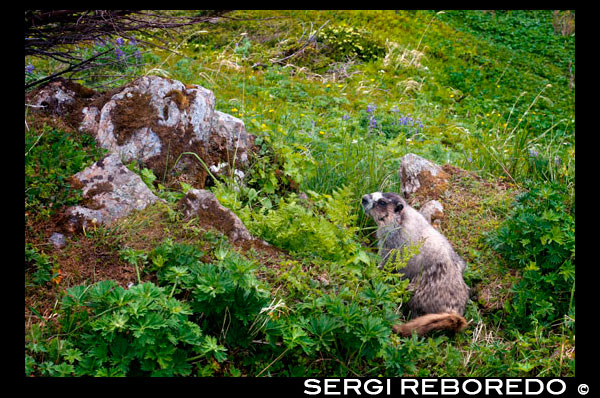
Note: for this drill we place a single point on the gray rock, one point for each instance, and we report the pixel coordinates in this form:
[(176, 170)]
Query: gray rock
[(55, 97), (110, 191), (433, 211), (223, 170), (90, 117), (58, 240), (229, 133), (420, 174), (59, 97), (204, 205), (154, 115)]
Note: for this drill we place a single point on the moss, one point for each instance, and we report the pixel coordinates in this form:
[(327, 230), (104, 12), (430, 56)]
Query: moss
[(136, 111), (98, 188), (189, 169), (181, 99), (79, 90), (432, 187), (132, 113)]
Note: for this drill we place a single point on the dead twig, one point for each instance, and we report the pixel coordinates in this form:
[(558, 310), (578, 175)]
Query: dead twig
[(310, 39)]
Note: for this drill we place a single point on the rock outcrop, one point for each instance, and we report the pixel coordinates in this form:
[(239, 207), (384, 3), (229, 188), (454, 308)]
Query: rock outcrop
[(110, 191), (204, 205), (423, 176), (155, 120), (58, 97)]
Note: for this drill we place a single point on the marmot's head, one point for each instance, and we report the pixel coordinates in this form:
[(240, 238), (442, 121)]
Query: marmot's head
[(383, 207)]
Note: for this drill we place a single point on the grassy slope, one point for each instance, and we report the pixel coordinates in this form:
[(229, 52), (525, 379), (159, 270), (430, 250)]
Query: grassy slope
[(484, 100)]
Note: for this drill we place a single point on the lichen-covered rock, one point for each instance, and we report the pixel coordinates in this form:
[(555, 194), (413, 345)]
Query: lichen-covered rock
[(110, 191), (58, 97), (204, 205), (90, 116), (130, 119), (423, 176), (154, 120)]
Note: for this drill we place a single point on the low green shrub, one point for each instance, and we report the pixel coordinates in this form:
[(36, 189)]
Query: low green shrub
[(107, 330), (343, 42), (145, 330), (227, 294), (324, 228), (539, 239), (41, 267)]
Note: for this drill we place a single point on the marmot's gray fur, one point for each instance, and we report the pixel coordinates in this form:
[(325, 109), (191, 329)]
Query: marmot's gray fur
[(440, 293)]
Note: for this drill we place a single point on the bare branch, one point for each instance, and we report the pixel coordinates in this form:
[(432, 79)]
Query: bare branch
[(52, 33), (70, 68)]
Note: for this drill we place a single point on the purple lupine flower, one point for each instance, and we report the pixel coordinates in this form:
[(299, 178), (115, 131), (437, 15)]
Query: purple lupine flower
[(345, 117), (469, 159), (395, 109), (119, 53), (371, 108), (557, 160), (420, 125), (137, 54), (119, 41), (533, 153), (29, 69), (372, 122)]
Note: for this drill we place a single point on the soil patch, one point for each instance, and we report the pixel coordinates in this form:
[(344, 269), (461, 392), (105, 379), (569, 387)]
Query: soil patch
[(84, 259)]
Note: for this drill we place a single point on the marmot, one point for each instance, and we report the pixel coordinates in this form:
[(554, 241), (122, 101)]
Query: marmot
[(440, 293)]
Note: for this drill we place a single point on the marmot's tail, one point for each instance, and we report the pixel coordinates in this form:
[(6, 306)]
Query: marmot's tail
[(426, 323)]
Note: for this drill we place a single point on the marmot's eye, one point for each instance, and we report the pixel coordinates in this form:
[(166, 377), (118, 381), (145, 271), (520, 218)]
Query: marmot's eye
[(381, 202)]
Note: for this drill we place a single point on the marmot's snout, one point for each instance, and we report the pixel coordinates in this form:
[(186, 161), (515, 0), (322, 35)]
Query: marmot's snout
[(366, 202)]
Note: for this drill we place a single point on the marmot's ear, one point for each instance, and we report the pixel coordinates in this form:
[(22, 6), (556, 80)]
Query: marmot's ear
[(398, 208)]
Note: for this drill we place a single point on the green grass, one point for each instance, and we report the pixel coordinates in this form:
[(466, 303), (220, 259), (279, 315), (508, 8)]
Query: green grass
[(488, 93), (51, 157)]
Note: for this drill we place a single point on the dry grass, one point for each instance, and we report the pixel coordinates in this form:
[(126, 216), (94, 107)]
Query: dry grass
[(398, 56)]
